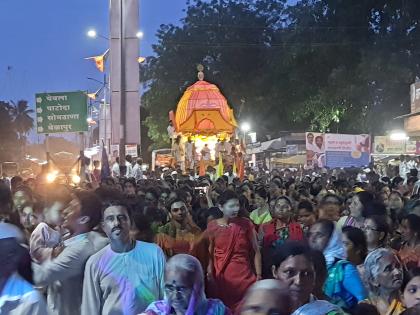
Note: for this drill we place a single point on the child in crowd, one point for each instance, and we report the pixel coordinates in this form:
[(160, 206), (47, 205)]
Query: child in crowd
[(46, 236)]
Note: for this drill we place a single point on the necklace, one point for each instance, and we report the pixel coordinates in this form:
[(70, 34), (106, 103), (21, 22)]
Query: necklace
[(223, 225)]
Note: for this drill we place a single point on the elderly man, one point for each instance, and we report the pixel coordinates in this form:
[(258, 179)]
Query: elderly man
[(63, 275), (125, 276), (18, 297)]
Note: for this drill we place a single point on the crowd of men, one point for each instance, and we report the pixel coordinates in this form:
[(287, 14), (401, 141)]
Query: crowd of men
[(278, 242)]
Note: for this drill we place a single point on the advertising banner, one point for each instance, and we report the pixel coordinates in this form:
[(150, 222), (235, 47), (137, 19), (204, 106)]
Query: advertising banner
[(384, 145), (411, 147), (343, 150), (61, 112), (315, 150), (131, 149)]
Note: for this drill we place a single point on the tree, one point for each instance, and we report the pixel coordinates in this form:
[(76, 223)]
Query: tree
[(8, 134), (316, 65), (23, 121), (216, 34)]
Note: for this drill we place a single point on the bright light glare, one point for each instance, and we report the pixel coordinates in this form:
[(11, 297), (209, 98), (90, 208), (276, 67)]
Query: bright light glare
[(139, 34), (92, 34), (75, 179), (245, 127), (398, 136), (89, 120), (51, 177)]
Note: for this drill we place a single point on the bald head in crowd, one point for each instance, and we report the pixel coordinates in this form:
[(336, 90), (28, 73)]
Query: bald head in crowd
[(267, 297)]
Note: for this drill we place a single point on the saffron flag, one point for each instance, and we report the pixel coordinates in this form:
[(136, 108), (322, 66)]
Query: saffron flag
[(93, 96), (100, 60)]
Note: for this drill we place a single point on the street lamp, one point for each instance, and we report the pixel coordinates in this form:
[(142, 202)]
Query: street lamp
[(139, 34), (104, 114), (92, 33), (245, 127), (93, 79), (398, 135)]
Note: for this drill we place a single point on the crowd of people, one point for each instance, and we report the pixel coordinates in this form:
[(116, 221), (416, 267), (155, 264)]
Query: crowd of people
[(279, 242)]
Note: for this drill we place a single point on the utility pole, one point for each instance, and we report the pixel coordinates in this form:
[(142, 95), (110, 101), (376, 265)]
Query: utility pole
[(124, 74)]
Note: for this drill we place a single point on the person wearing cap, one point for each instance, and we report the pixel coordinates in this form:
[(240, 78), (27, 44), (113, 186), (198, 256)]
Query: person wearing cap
[(18, 296), (63, 275)]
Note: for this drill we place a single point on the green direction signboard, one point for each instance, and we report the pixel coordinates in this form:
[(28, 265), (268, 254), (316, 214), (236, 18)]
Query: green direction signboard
[(61, 112)]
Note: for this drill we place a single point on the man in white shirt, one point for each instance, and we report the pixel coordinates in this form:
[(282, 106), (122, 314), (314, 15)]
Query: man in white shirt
[(127, 275), (404, 169), (205, 153), (171, 132), (129, 166), (17, 296), (137, 170), (63, 275), (115, 170), (227, 148), (189, 154)]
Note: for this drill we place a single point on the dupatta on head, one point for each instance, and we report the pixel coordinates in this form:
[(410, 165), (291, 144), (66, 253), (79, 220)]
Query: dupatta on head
[(335, 248)]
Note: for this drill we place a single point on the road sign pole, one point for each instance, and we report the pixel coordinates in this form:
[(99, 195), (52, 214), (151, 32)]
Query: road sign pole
[(47, 147)]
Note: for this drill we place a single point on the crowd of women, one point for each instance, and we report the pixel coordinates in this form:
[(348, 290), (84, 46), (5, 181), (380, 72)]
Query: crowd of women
[(274, 243)]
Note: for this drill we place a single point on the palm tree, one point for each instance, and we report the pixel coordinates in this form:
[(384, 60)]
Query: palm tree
[(22, 121), (22, 118)]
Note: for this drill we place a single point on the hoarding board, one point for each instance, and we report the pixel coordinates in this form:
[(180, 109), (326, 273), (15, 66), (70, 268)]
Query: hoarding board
[(342, 150)]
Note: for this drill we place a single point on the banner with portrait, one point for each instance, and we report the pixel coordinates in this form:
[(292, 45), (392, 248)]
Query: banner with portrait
[(315, 150), (337, 150)]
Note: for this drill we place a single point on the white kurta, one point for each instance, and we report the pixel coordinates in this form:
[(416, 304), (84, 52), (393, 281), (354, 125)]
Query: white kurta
[(20, 298), (123, 283), (115, 170), (129, 172), (64, 275)]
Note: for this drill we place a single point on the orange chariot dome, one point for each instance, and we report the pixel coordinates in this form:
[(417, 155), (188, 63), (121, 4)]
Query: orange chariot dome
[(203, 110)]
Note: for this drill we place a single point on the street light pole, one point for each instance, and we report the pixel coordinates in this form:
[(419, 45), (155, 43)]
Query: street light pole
[(103, 113), (122, 86)]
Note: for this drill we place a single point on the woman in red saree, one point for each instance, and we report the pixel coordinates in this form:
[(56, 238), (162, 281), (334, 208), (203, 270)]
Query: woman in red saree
[(280, 229), (235, 259)]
